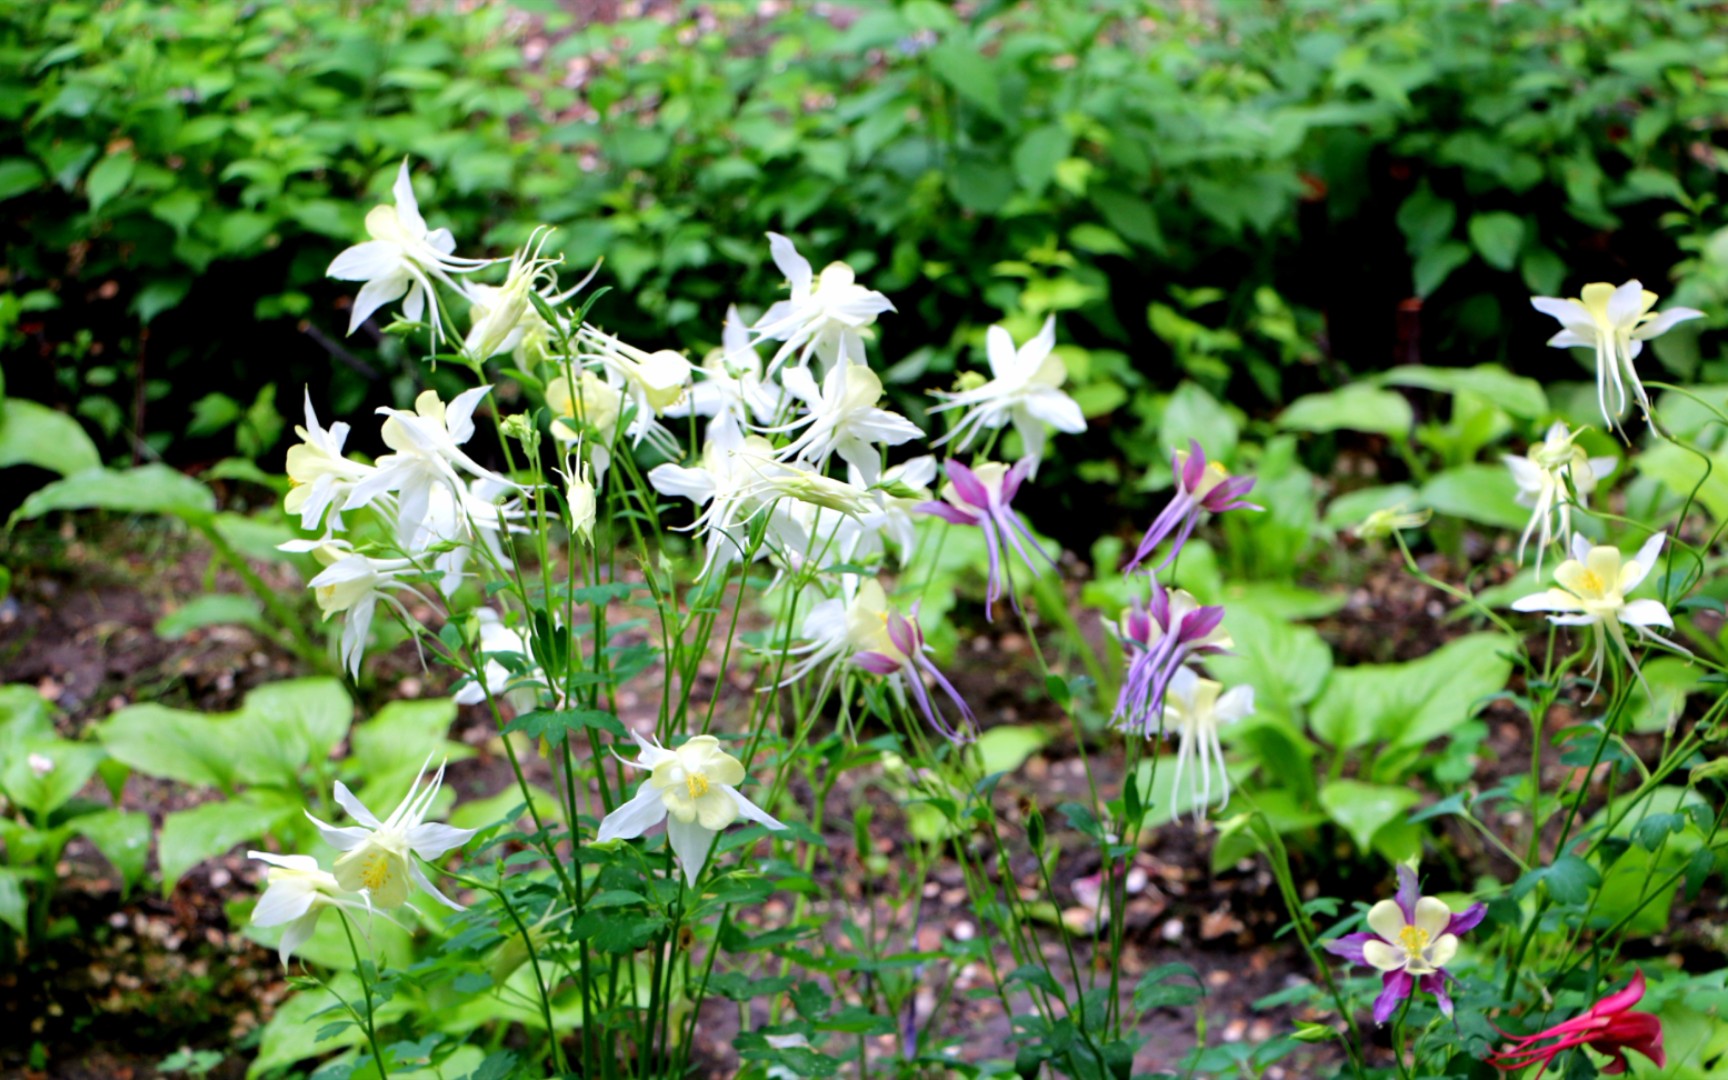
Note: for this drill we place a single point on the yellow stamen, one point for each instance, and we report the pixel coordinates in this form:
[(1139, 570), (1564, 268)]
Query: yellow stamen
[(375, 871), (696, 784), (1590, 583), (1413, 938)]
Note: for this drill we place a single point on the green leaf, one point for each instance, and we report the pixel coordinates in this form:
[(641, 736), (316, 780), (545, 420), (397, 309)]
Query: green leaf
[(1409, 704), (1481, 493), (1155, 989), (32, 434), (161, 294), (1356, 407), (1569, 879), (1352, 508), (178, 209), (1286, 663), (123, 838), (1036, 157), (307, 717), (1006, 747), (147, 489), (389, 749), (1514, 393), (1425, 219), (552, 725), (215, 609), (1497, 236), (108, 179), (14, 908), (1435, 265), (173, 744), (971, 74), (204, 832), (42, 775), (19, 176), (1192, 413), (1364, 809)]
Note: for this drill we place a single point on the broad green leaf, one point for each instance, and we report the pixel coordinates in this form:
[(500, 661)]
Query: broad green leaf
[(390, 749), (1285, 662), (214, 609), (173, 744), (312, 715), (1486, 494), (1435, 265), (32, 434), (1514, 393), (204, 832), (1668, 680), (24, 715), (1192, 413), (971, 73), (19, 176), (1497, 236), (1364, 809), (1356, 407), (147, 489), (1005, 748), (1425, 219), (108, 179), (123, 838), (1409, 704), (1036, 157), (14, 908), (42, 775), (1352, 508)]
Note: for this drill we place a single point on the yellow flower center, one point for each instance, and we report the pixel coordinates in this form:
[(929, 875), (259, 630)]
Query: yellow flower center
[(1588, 582), (1413, 938), (696, 784), (375, 870)]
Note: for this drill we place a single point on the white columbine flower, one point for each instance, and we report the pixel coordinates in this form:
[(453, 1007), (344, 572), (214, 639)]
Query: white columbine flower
[(844, 419), (378, 856), (296, 892), (732, 385), (319, 475), (403, 257), (352, 583), (1615, 322), (827, 315), (1543, 476), (428, 451), (1593, 585), (1195, 708), (1025, 387), (693, 789), (496, 639), (651, 381)]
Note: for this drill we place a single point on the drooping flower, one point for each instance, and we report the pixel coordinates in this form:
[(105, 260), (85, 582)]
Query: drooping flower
[(296, 892), (427, 445), (844, 419), (1548, 476), (984, 497), (403, 258), (694, 790), (1025, 388), (579, 496), (593, 405), (651, 381), (1412, 939), (1200, 488), (1610, 1027), (1615, 322), (319, 474), (352, 583), (379, 857), (1159, 639), (888, 643), (496, 680), (1196, 708), (1592, 588), (826, 316), (502, 314)]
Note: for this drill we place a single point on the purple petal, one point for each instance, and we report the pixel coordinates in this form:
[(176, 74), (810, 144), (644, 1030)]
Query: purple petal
[(903, 634), (1395, 987), (1015, 475), (1467, 919), (1435, 984), (1188, 522), (876, 663), (1160, 528), (947, 511), (993, 591), (1159, 606), (966, 484), (1200, 622), (1195, 467), (1408, 894), (1350, 946)]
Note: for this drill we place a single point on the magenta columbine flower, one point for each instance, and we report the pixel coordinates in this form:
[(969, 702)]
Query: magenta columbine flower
[(888, 643), (1200, 488), (1160, 638), (1413, 937), (982, 497)]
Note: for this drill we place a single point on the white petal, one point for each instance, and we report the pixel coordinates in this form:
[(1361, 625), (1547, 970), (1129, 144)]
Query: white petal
[(425, 882), (1626, 304), (1646, 613), (407, 206), (287, 862), (635, 817), (999, 351), (348, 801), (283, 902), (375, 294), (365, 261), (1432, 915), (297, 934), (795, 266), (459, 414), (343, 839), (750, 811), (1548, 600), (1386, 918), (697, 485), (1661, 323), (1058, 410), (433, 840), (1234, 704), (1580, 547), (1572, 315), (1646, 561), (691, 843)]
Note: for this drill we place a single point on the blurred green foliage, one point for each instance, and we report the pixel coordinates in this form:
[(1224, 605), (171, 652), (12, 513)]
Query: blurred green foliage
[(1259, 197)]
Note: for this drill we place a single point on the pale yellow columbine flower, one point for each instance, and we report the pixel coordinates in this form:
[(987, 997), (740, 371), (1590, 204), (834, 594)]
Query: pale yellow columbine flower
[(827, 315), (1383, 523), (296, 892), (693, 789), (379, 856), (1025, 388), (1195, 708), (579, 494), (1548, 476), (1615, 322), (1592, 590), (319, 474)]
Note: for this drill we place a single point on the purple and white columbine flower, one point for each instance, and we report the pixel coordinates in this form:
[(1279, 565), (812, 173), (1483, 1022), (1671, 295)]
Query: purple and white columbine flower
[(1160, 638), (888, 643), (983, 497), (1200, 488), (1413, 936)]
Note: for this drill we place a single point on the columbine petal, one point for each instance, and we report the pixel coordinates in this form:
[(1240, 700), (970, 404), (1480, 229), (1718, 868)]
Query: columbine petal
[(635, 817), (691, 843), (1386, 918), (433, 840), (344, 838), (750, 811), (348, 801), (420, 879)]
